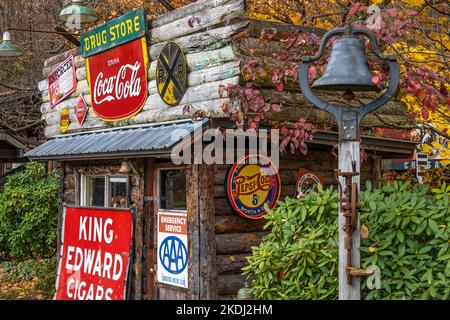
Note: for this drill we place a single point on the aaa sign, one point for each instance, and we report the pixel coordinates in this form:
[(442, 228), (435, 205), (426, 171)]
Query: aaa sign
[(118, 80), (95, 254)]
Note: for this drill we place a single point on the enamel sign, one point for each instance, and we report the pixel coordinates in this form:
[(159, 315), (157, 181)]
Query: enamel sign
[(95, 254), (81, 110), (118, 80), (130, 26), (64, 121), (172, 253), (251, 183), (307, 181), (62, 82)]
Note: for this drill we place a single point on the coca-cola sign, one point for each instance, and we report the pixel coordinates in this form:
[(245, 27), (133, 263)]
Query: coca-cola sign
[(118, 80)]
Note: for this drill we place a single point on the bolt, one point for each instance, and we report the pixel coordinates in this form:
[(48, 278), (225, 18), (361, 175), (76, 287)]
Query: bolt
[(345, 128)]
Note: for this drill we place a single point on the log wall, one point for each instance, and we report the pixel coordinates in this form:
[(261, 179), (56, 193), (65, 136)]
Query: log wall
[(205, 36), (236, 235)]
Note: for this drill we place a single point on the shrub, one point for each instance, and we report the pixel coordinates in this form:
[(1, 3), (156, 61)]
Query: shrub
[(408, 239), (40, 273), (28, 213)]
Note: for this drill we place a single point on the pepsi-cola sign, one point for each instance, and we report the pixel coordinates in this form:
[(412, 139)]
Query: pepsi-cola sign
[(118, 80)]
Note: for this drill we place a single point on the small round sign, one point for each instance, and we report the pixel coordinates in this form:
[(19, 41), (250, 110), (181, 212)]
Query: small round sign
[(251, 183), (307, 181), (171, 73)]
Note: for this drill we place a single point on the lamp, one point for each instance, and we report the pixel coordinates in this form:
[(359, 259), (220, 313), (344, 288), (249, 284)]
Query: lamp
[(348, 71), (8, 49), (79, 13)]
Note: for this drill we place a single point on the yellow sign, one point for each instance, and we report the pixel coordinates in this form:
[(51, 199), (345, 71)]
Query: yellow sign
[(64, 121)]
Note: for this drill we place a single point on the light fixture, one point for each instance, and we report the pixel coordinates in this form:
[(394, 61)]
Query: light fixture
[(125, 168), (77, 13), (8, 49)]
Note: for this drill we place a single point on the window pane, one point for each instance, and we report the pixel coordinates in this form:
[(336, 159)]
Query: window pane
[(96, 195), (118, 192), (172, 191)]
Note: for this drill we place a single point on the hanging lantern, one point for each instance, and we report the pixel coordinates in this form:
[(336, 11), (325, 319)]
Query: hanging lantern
[(8, 49), (78, 13)]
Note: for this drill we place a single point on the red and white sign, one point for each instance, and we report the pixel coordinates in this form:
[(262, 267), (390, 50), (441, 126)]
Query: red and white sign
[(62, 82), (118, 80), (95, 254), (81, 109)]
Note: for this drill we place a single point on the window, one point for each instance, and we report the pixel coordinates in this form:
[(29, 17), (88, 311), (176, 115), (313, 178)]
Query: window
[(172, 189), (105, 191)]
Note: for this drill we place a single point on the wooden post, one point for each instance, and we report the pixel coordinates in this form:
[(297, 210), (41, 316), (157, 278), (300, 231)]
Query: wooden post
[(349, 151)]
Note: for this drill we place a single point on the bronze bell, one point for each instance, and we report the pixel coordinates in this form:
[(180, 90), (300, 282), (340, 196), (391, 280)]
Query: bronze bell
[(347, 68)]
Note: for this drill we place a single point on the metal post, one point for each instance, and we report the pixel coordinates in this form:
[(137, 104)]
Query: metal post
[(349, 152)]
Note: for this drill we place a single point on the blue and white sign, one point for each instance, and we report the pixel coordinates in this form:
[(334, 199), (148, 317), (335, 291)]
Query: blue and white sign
[(173, 255)]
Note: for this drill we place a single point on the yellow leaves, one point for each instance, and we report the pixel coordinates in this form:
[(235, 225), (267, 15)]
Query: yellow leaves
[(427, 148), (364, 232)]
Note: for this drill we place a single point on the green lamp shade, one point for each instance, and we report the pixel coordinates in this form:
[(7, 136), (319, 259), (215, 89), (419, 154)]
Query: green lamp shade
[(77, 13), (7, 49)]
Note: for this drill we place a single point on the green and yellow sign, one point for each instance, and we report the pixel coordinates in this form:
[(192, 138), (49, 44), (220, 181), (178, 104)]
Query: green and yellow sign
[(130, 26)]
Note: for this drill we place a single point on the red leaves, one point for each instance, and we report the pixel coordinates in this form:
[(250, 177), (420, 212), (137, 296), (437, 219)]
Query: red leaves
[(295, 138), (354, 8), (425, 114), (312, 74)]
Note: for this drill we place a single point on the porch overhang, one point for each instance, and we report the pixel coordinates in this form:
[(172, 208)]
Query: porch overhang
[(153, 140)]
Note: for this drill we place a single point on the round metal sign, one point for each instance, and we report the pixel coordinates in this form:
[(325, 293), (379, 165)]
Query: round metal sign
[(251, 183), (171, 74)]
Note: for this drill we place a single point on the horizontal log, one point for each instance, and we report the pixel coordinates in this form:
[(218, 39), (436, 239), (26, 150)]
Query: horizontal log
[(238, 243), (190, 9), (229, 284), (228, 297), (201, 60), (68, 103), (55, 130), (237, 224), (82, 87), (227, 264), (79, 62), (58, 59), (203, 76), (207, 91), (212, 108), (202, 41), (199, 21)]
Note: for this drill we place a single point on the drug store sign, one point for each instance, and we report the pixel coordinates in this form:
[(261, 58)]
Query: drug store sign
[(95, 254), (117, 62)]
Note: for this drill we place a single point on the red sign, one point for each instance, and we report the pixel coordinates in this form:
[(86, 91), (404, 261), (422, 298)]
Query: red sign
[(118, 80), (95, 254), (62, 82), (307, 181), (81, 110)]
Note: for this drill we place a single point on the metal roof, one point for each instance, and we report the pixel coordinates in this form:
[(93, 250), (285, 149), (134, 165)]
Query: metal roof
[(154, 139)]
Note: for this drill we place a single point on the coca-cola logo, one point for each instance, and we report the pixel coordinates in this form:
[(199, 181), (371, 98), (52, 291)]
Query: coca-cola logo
[(121, 86), (118, 81)]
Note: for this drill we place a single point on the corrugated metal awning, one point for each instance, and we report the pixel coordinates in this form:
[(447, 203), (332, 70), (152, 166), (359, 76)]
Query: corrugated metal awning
[(142, 140)]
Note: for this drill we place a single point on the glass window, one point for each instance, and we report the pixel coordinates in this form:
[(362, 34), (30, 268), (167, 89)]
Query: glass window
[(118, 192), (172, 190), (106, 191), (96, 191)]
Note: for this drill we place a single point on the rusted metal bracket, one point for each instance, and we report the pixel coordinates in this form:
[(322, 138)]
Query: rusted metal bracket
[(357, 272)]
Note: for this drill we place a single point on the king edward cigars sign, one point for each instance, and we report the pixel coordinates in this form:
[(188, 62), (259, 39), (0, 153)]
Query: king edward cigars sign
[(116, 62)]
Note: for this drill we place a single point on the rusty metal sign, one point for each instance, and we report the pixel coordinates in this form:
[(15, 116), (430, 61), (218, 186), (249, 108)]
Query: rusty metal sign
[(64, 120), (171, 74)]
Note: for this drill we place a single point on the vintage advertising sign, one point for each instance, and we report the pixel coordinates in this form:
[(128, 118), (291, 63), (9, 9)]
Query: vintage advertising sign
[(171, 75), (81, 110), (64, 121), (307, 181), (251, 183), (172, 253), (62, 82), (95, 257), (118, 80), (130, 26)]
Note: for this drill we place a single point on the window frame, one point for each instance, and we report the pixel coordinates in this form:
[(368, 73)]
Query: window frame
[(107, 196), (158, 190)]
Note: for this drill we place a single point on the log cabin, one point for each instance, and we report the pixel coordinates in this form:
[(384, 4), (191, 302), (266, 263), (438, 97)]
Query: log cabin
[(93, 153)]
